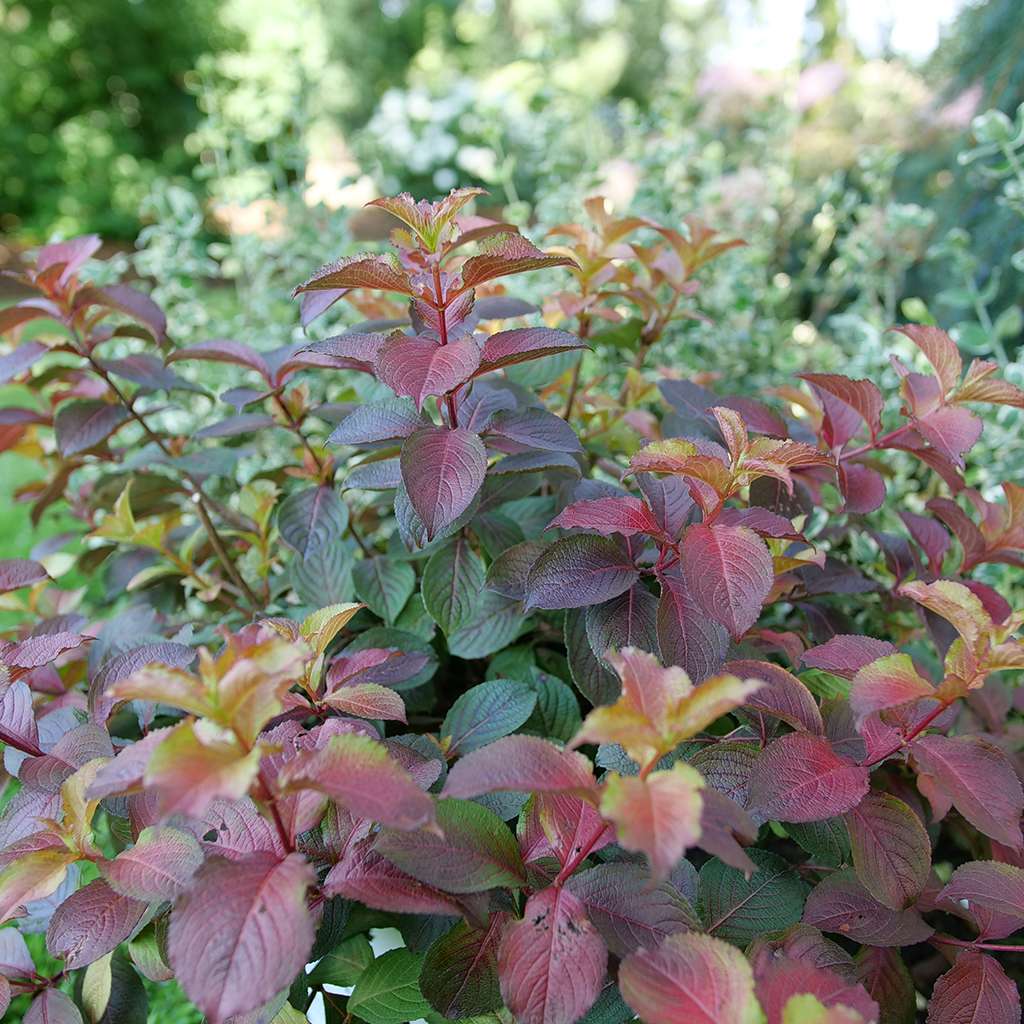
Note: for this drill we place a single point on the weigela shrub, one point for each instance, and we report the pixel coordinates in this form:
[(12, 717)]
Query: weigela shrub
[(699, 728)]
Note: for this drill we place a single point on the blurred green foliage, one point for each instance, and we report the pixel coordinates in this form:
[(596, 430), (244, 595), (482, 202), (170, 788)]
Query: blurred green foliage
[(95, 107)]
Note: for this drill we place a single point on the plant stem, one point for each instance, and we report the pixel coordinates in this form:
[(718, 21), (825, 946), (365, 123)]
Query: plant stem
[(992, 947), (913, 734), (879, 442), (574, 387), (199, 496)]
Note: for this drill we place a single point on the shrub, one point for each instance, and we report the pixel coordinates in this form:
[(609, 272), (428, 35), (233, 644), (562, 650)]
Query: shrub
[(676, 728)]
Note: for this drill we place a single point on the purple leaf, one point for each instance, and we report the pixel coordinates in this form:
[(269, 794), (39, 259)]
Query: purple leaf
[(799, 777), (580, 570), (241, 933), (17, 572), (730, 574), (534, 428), (990, 894), (376, 424), (443, 470), (90, 923), (629, 909), (123, 298), (83, 424), (312, 518), (783, 696), (840, 904), (224, 350), (52, 1006), (687, 636), (506, 348), (892, 853), (508, 254), (551, 964), (845, 654), (15, 363)]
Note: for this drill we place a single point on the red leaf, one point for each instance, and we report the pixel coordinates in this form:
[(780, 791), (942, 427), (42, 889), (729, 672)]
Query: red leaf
[(241, 933), (688, 638), (847, 403), (421, 367), (890, 682), (158, 867), (845, 654), (508, 254), (939, 349), (840, 904), (523, 763), (975, 988), (951, 430), (730, 573), (551, 964), (892, 853), (361, 271), (71, 255), (366, 876), (782, 696), (799, 778), (689, 978), (367, 700), (979, 386), (658, 815), (863, 488), (722, 823), (930, 536), (787, 977), (626, 516), (17, 718), (90, 923), (580, 570), (506, 348), (360, 774), (442, 470), (980, 781)]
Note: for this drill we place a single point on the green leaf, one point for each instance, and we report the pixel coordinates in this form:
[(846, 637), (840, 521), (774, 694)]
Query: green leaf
[(460, 971), (452, 582), (738, 909), (344, 964), (384, 585), (312, 518), (324, 578), (112, 993), (828, 841), (825, 685), (557, 714), (495, 623), (388, 991), (485, 713), (475, 852)]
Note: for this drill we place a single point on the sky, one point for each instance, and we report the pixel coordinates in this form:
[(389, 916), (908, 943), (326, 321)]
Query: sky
[(768, 35)]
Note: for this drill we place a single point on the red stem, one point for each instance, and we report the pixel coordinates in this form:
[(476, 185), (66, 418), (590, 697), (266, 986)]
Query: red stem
[(913, 734), (879, 442), (992, 947), (442, 326)]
